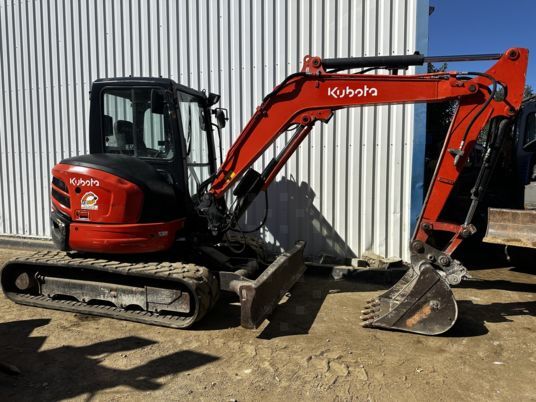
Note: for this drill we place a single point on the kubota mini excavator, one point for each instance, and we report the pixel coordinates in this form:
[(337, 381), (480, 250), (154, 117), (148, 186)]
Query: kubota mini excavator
[(150, 185)]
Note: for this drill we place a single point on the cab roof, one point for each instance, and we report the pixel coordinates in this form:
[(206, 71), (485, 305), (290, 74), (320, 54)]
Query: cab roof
[(168, 83)]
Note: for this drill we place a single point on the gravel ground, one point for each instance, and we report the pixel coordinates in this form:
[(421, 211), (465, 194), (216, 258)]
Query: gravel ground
[(312, 349)]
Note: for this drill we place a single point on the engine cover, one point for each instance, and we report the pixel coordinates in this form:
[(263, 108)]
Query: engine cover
[(112, 204), (93, 195)]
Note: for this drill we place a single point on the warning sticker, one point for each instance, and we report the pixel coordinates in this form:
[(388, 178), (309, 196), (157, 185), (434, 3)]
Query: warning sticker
[(89, 201)]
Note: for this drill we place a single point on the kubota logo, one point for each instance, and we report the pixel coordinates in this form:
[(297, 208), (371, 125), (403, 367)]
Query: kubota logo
[(79, 182), (348, 92)]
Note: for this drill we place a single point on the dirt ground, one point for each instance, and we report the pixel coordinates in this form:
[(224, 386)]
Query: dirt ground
[(312, 349)]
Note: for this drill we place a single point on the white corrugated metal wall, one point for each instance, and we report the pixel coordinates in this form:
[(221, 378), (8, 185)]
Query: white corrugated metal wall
[(347, 189)]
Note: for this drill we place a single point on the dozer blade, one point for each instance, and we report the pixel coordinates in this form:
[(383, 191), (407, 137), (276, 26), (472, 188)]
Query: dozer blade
[(259, 297), (420, 302), (511, 227)]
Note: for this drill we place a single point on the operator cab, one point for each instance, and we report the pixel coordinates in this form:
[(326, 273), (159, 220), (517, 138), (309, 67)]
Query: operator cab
[(151, 147), (158, 121)]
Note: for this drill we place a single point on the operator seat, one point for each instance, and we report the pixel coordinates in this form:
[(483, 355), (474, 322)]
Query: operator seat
[(123, 134)]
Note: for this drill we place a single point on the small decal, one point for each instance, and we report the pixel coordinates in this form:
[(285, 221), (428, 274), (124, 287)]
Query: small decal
[(80, 182), (89, 201)]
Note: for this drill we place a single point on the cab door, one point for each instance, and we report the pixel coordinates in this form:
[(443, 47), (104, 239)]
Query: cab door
[(198, 139)]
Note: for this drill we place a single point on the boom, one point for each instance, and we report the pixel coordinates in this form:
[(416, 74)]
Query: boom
[(315, 94)]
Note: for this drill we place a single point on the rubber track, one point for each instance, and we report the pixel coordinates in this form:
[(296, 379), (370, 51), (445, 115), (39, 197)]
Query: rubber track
[(197, 278)]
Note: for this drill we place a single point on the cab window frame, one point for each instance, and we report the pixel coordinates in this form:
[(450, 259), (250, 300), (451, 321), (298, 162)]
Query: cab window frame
[(202, 100), (170, 114)]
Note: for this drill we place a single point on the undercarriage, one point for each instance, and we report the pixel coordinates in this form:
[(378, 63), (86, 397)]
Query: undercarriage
[(165, 293)]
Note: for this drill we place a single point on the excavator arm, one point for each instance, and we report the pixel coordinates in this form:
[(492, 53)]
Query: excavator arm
[(422, 301), (315, 94), (306, 98)]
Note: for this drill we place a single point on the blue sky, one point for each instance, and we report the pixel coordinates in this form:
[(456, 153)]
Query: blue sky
[(483, 26)]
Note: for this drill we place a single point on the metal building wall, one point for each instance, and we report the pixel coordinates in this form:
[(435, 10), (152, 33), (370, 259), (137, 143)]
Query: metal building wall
[(347, 189)]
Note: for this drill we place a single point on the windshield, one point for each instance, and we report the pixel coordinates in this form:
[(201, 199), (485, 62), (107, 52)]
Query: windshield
[(194, 126), (131, 128)]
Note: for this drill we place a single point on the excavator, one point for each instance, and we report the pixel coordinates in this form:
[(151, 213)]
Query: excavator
[(146, 228)]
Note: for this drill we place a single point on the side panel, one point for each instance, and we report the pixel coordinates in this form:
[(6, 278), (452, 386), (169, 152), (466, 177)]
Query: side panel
[(129, 239), (95, 196)]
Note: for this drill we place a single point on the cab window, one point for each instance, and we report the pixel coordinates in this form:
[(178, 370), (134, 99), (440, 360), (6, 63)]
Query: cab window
[(132, 127)]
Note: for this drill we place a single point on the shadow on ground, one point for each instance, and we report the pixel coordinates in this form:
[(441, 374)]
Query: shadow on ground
[(499, 284), (472, 318), (71, 371), (476, 255), (296, 315)]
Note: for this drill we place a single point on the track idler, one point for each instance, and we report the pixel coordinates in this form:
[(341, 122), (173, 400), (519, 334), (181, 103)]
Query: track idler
[(421, 301)]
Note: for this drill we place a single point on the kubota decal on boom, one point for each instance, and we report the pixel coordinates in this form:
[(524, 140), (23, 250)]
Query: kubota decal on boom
[(348, 92)]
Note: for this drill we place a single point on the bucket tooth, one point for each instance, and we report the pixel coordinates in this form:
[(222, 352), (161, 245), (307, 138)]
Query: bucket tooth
[(369, 313), (368, 310)]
